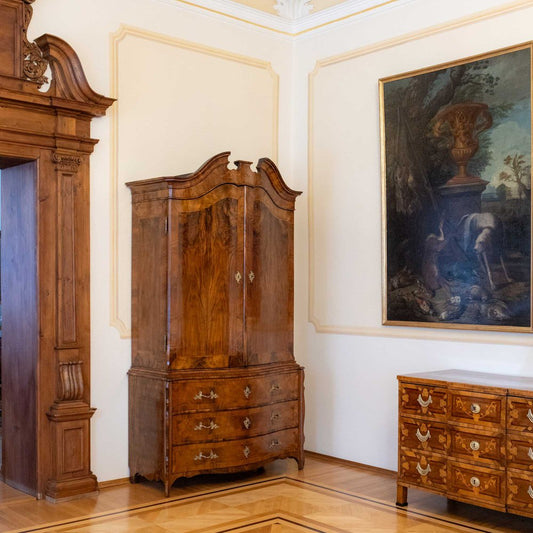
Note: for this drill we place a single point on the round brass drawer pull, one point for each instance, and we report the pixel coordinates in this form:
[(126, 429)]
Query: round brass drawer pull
[(474, 445), (475, 408), (474, 481)]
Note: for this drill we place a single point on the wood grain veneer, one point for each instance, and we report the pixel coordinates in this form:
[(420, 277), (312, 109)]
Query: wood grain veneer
[(213, 384), (468, 436)]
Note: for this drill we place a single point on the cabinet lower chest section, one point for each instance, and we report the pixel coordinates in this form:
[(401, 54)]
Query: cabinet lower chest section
[(229, 422), (468, 436)]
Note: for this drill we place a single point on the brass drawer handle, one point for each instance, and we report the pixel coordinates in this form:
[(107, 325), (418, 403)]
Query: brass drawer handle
[(274, 443), (424, 403), (530, 492), (475, 408), (423, 471), (201, 396), (474, 445), (247, 392), (530, 453), (247, 423), (238, 276), (275, 416), (201, 426), (530, 415), (474, 481), (202, 457), (251, 276), (275, 388), (422, 438), (246, 452)]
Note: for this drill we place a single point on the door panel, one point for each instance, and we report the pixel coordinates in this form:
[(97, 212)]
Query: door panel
[(206, 277), (19, 326), (269, 280)]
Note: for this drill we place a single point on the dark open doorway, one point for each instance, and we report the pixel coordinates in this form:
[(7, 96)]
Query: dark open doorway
[(18, 267)]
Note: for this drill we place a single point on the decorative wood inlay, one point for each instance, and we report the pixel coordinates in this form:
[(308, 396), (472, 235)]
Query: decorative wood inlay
[(71, 378)]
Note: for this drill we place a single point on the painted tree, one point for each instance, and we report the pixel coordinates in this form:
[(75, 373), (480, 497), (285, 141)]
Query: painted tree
[(520, 174)]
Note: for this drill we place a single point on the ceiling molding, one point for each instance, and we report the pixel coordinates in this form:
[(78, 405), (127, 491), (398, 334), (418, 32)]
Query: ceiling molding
[(349, 9)]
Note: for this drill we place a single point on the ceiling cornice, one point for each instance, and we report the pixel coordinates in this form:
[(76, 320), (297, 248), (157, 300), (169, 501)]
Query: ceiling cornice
[(240, 12)]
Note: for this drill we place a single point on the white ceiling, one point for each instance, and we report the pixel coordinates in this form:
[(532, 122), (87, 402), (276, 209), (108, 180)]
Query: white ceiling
[(293, 17)]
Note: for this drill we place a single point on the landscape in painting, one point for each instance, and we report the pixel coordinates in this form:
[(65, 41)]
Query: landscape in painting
[(457, 194)]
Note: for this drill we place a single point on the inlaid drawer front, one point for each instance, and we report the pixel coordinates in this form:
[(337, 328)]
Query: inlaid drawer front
[(426, 435), (214, 394), (476, 483), (520, 414), (418, 400), (520, 451), (483, 446), (426, 470), (228, 454), (520, 490), (234, 424), (477, 408)]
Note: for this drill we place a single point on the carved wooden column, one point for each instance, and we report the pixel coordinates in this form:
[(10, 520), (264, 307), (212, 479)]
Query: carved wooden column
[(52, 130)]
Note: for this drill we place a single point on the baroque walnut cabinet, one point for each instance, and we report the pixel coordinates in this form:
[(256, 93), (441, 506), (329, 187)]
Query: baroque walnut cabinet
[(469, 436), (213, 385)]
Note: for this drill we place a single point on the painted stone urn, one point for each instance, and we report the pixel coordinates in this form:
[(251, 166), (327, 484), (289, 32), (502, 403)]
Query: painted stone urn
[(464, 122)]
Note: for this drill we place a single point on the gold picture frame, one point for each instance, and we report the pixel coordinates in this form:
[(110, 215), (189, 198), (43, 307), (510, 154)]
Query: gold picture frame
[(456, 193)]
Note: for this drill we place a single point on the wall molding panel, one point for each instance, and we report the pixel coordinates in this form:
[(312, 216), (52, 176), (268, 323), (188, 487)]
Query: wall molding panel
[(314, 310), (117, 317)]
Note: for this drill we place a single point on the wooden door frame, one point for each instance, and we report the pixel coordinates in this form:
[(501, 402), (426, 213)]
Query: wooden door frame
[(53, 128)]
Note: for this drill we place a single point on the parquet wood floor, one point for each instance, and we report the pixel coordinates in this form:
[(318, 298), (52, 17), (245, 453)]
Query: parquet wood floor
[(326, 496)]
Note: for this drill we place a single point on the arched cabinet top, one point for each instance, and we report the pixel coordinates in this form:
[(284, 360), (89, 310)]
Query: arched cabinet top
[(213, 173)]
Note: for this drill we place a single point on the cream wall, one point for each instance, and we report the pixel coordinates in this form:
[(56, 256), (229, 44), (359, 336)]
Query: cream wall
[(189, 85), (351, 359)]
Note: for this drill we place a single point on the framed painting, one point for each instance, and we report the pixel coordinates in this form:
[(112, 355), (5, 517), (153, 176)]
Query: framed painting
[(456, 185)]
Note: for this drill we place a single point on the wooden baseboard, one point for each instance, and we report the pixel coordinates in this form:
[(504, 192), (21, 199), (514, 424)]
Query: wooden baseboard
[(312, 455), (351, 464), (113, 483)]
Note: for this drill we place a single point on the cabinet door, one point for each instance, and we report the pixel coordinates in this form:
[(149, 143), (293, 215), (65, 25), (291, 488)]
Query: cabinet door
[(206, 273), (269, 280)]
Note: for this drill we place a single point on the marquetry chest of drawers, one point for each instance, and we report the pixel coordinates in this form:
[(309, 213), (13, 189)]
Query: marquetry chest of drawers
[(468, 436)]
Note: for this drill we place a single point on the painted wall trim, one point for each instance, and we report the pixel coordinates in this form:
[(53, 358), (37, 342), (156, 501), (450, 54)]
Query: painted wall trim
[(519, 339), (115, 39)]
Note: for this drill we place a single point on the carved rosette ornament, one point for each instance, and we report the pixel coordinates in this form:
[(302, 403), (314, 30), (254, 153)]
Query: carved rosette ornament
[(34, 65), (66, 162)]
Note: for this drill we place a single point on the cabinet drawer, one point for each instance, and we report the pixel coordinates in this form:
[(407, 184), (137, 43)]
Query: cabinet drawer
[(476, 484), (477, 445), (520, 414), (426, 435), (520, 490), (214, 394), (520, 451), (235, 424), (418, 400), (194, 458), (477, 408), (423, 469)]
